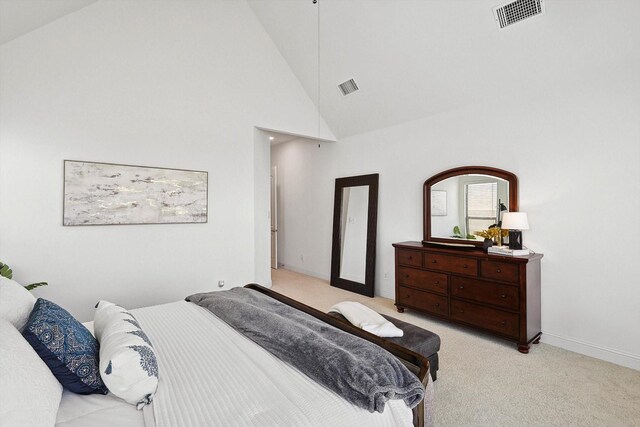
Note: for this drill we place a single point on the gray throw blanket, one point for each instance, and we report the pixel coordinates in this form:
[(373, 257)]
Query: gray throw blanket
[(358, 370)]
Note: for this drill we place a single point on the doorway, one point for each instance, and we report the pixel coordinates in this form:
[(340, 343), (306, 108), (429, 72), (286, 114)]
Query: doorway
[(285, 190)]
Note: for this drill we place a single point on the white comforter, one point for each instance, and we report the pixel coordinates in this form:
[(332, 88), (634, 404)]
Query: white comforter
[(211, 375)]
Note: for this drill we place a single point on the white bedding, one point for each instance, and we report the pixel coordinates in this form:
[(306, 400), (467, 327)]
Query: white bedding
[(97, 410), (211, 375)]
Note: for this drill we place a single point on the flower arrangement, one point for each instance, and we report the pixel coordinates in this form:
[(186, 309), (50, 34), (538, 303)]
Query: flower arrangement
[(492, 233)]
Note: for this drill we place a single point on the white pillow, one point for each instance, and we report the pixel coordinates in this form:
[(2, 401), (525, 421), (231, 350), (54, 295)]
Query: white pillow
[(16, 302), (29, 393), (128, 363)]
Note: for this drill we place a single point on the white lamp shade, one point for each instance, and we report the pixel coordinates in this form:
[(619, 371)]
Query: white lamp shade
[(515, 221)]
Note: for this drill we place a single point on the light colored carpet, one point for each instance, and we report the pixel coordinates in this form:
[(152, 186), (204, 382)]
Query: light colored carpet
[(484, 381)]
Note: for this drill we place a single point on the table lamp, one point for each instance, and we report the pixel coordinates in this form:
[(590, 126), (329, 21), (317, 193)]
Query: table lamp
[(515, 222)]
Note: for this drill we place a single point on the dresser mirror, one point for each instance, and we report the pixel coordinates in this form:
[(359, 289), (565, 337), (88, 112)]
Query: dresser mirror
[(458, 202), (355, 214)]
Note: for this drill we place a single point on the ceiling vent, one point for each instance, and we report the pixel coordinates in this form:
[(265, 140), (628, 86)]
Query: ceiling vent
[(348, 87), (516, 11)]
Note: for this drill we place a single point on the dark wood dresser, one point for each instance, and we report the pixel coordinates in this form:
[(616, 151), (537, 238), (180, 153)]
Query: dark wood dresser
[(495, 294)]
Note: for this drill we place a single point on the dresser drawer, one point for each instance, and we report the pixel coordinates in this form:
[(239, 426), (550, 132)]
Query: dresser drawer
[(484, 317), (499, 271), (451, 264), (428, 280), (487, 292), (412, 258), (425, 301)]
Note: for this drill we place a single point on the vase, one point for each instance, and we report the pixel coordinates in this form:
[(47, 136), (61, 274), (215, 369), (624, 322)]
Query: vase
[(497, 241)]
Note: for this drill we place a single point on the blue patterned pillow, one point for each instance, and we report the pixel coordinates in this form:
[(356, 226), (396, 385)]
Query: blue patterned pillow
[(66, 346)]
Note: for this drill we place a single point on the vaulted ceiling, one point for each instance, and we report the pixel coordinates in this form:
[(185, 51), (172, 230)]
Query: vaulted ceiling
[(18, 17), (415, 58)]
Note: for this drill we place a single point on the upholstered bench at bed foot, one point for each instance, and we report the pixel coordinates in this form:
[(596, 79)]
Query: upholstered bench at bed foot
[(416, 339)]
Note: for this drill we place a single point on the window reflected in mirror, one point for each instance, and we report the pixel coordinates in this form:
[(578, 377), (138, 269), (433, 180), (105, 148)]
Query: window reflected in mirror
[(465, 204)]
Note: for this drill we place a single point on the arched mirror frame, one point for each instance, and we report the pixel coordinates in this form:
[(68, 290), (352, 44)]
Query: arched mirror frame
[(366, 288), (511, 178)]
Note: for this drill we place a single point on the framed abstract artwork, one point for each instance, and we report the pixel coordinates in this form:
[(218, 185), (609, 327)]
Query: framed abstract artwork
[(111, 194)]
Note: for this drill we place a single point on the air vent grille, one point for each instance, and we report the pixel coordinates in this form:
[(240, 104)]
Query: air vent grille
[(516, 11), (348, 87)]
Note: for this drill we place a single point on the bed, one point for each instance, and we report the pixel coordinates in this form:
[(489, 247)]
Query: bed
[(213, 375)]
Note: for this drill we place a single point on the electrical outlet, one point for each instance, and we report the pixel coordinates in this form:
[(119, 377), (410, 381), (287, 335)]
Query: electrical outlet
[(386, 276), (221, 283), (301, 258)]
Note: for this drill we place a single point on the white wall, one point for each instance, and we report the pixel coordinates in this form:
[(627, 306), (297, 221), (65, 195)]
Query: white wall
[(566, 146), (354, 218), (172, 84), (262, 207)]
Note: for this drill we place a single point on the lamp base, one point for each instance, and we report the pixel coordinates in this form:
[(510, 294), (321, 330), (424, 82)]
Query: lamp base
[(515, 239)]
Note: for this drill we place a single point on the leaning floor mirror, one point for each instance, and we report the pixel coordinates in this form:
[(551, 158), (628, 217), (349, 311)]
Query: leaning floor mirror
[(355, 218)]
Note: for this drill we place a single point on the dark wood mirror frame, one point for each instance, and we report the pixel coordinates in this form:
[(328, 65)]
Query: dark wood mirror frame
[(366, 288), (511, 178)]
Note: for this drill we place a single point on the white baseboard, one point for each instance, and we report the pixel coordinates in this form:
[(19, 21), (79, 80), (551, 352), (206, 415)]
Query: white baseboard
[(593, 350)]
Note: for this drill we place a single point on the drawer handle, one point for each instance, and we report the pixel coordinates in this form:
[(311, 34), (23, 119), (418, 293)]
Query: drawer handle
[(461, 311), (437, 304), (465, 266), (503, 296), (503, 323), (410, 257), (499, 271), (434, 261), (406, 275), (437, 282), (461, 287)]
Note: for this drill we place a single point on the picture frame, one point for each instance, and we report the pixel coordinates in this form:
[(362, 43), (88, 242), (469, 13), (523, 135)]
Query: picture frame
[(438, 203), (117, 194)]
